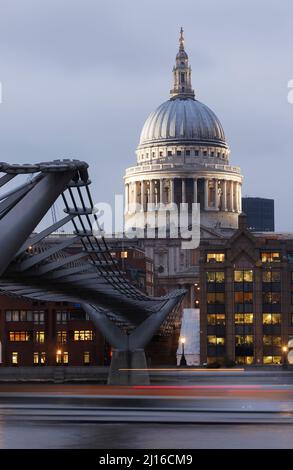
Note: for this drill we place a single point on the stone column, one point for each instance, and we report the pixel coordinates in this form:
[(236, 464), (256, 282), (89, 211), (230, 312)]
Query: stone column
[(224, 195), (161, 191), (231, 196), (151, 200), (142, 198), (206, 194), (217, 197), (183, 190), (240, 197), (134, 193), (171, 190), (195, 190)]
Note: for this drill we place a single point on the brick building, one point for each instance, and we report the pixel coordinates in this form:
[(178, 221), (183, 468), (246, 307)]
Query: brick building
[(246, 297), (50, 333)]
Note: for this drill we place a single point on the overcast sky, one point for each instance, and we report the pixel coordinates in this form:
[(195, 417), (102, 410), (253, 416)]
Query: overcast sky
[(80, 77)]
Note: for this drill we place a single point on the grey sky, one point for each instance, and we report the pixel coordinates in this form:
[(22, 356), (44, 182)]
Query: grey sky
[(81, 76)]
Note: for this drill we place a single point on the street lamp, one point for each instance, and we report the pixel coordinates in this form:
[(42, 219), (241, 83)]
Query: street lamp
[(183, 360), (284, 358)]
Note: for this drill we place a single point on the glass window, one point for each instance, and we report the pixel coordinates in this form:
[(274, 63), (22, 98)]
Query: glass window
[(241, 340), (15, 315), (215, 257), (22, 315), (271, 318), (62, 337), (19, 336), (270, 256), (43, 358), (124, 254), (215, 298), (245, 275), (216, 319), (271, 297), (244, 360), (8, 315), (65, 358), (40, 336), (14, 358), (215, 340), (86, 357), (216, 276), (272, 359), (29, 315), (271, 276), (269, 340), (243, 318), (243, 297), (36, 358), (84, 335)]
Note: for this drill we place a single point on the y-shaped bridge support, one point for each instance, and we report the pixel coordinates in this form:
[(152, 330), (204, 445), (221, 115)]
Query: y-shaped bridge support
[(128, 363)]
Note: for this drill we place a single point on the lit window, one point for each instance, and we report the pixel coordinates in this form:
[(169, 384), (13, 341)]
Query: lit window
[(84, 335), (248, 360), (245, 275), (272, 359), (62, 357), (243, 318), (269, 340), (62, 336), (216, 319), (270, 256), (215, 257), (271, 318), (216, 340), (19, 336), (36, 358), (65, 358), (86, 357), (14, 358), (246, 340), (40, 336), (124, 254), (216, 276)]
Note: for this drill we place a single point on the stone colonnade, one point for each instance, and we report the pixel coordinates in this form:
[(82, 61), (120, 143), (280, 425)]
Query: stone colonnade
[(218, 194)]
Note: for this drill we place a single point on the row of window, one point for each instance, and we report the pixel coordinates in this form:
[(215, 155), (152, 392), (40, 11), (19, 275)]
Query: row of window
[(248, 360), (39, 358), (244, 297), (245, 319), (245, 340), (62, 336), (38, 316), (188, 153), (245, 275), (265, 256)]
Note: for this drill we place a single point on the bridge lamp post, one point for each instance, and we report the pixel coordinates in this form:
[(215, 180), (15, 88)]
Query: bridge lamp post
[(183, 359), (284, 357)]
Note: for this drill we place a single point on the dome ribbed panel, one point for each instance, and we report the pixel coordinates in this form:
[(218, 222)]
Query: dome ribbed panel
[(183, 119)]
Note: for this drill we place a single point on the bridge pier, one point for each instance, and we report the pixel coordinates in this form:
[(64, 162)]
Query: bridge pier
[(128, 368)]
